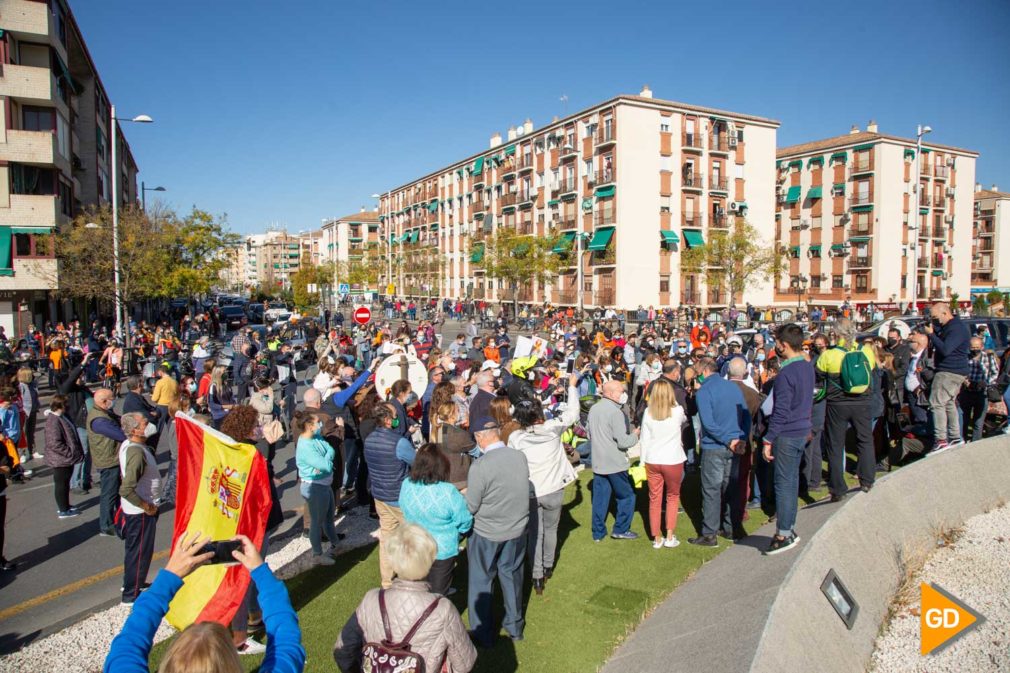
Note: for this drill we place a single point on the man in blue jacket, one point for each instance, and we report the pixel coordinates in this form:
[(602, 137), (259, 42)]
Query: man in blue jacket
[(950, 339), (725, 423)]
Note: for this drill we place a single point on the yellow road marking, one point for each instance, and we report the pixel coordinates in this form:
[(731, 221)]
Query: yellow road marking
[(69, 589)]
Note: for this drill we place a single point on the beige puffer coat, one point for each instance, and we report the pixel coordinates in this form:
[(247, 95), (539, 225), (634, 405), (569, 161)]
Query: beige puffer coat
[(442, 635)]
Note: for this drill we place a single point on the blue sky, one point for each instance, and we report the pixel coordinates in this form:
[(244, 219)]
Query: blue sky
[(290, 112)]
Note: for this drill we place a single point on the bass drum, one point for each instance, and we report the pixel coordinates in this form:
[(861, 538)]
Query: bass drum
[(903, 329), (399, 366)]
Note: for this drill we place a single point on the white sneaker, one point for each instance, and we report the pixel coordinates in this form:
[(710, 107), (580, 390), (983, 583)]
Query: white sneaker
[(39, 456), (251, 646), (322, 560), (27, 473), (672, 542), (657, 543)]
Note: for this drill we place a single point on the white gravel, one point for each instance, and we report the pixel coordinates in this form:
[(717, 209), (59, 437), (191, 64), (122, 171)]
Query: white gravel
[(81, 648), (975, 569)]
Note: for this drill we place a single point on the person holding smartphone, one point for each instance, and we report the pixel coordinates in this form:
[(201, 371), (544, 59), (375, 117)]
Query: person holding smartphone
[(207, 645)]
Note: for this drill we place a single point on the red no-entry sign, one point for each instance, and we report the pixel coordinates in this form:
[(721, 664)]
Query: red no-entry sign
[(362, 315)]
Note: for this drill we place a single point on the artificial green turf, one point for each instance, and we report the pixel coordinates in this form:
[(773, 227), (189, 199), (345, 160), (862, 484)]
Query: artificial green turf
[(599, 592)]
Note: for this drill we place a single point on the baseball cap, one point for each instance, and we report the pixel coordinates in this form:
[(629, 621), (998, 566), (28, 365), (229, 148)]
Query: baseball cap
[(484, 423), (489, 364)]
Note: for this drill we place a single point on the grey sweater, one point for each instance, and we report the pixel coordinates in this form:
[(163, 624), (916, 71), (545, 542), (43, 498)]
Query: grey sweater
[(498, 493), (609, 437)]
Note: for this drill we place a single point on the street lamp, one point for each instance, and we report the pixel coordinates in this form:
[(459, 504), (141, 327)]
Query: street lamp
[(139, 119), (799, 285), (143, 194), (920, 131), (386, 234)]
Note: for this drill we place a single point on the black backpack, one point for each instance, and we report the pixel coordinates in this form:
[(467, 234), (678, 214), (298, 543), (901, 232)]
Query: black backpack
[(387, 656)]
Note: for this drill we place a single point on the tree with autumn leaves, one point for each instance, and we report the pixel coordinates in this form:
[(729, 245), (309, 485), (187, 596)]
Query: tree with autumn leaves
[(518, 259), (735, 260)]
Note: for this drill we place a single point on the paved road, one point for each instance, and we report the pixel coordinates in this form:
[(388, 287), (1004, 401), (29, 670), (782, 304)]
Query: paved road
[(65, 570)]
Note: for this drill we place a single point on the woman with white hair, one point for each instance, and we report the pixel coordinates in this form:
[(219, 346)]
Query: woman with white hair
[(408, 606)]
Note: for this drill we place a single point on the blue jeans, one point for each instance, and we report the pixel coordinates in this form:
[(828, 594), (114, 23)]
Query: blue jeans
[(81, 476), (619, 485), (321, 506), (487, 559), (110, 480), (788, 452), (352, 454), (716, 497)]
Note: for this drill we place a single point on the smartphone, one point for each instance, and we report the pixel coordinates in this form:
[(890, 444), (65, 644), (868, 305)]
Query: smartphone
[(222, 551), (570, 367)]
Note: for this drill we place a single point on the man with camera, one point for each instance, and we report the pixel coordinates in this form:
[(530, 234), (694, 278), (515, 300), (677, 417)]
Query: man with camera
[(949, 338)]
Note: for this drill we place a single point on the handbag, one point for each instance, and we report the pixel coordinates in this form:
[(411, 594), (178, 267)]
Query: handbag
[(993, 393), (273, 431)]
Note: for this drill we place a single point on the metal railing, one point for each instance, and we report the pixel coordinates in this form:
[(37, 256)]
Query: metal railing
[(692, 181), (718, 144), (718, 183), (605, 134), (692, 140)]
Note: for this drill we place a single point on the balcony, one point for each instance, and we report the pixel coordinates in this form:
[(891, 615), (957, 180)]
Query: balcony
[(526, 163), (690, 298), (718, 222), (606, 257), (860, 262), (36, 273), (692, 181), (692, 141), (34, 147), (941, 172), (718, 183), (925, 201), (29, 84), (508, 199), (604, 298), (569, 150), (566, 222), (568, 186), (718, 143), (566, 297), (604, 177), (605, 136), (861, 167), (922, 262), (526, 199), (478, 206), (860, 200), (986, 230), (924, 169), (604, 218), (939, 201), (690, 220), (939, 232), (31, 210), (525, 229)]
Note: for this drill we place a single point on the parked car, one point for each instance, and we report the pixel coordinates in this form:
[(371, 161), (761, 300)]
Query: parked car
[(255, 313), (274, 309), (233, 316), (999, 328)]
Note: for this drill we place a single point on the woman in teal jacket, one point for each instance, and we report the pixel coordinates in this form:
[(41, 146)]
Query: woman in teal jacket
[(428, 499), (131, 649), (314, 459)]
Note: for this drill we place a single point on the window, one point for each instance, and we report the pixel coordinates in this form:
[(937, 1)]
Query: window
[(664, 204), (689, 132), (862, 224), (815, 281), (587, 166), (664, 127), (815, 253), (794, 252), (664, 283), (664, 163), (904, 282), (717, 172), (66, 194), (100, 144), (861, 282), (836, 282), (38, 119), (738, 171), (739, 135), (32, 180), (555, 177), (22, 245)]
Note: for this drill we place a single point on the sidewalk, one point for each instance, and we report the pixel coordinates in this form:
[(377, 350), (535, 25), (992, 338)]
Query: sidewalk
[(714, 621)]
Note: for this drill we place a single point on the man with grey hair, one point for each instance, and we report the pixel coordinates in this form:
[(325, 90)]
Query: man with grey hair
[(480, 403), (949, 337), (498, 495), (610, 438), (139, 490), (983, 370)]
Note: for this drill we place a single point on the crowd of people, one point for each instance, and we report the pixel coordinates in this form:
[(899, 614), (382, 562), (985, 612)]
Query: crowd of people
[(481, 459)]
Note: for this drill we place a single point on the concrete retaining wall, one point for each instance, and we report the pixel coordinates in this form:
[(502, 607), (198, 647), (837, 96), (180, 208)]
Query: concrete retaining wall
[(864, 543)]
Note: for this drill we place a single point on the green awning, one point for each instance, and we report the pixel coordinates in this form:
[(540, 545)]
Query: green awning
[(819, 161), (838, 246), (924, 211), (604, 192), (862, 209), (693, 238), (32, 230), (6, 265), (477, 254), (859, 239), (565, 243), (521, 249), (479, 216), (815, 248), (510, 150), (778, 163), (741, 205), (839, 186), (937, 272), (860, 148), (796, 163), (434, 226), (795, 251), (478, 166), (508, 209), (553, 202), (926, 150), (793, 196), (414, 235), (351, 238), (909, 154), (459, 172), (433, 206), (669, 236), (814, 192), (844, 156), (601, 239)]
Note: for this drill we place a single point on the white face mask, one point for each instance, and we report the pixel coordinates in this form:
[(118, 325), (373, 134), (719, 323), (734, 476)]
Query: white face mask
[(608, 368), (623, 399), (150, 430)]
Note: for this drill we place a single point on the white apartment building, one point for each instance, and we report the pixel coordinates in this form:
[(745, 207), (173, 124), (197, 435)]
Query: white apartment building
[(345, 238), (991, 241), (55, 153), (856, 228), (634, 179)]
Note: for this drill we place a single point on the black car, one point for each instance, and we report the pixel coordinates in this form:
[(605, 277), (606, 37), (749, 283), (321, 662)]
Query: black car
[(255, 313), (233, 316)]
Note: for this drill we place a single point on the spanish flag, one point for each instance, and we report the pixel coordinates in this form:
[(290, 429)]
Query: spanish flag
[(222, 490)]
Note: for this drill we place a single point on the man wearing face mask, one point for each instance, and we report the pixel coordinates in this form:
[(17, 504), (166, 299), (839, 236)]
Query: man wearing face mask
[(949, 337), (140, 488), (610, 439), (983, 370), (897, 347), (104, 438)]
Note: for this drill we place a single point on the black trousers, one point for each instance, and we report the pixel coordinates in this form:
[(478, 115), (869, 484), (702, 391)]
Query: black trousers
[(440, 576), (140, 530), (3, 522), (61, 486), (837, 421)]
